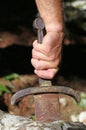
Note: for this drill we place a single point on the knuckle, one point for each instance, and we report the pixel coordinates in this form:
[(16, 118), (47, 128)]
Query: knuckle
[(34, 63), (37, 65)]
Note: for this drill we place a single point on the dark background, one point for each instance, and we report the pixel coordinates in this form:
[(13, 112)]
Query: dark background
[(15, 58)]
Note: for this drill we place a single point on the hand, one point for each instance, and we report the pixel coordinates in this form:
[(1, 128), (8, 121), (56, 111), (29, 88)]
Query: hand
[(47, 56)]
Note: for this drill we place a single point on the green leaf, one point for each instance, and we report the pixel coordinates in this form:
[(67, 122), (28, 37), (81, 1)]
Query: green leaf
[(12, 76), (83, 99), (3, 89), (32, 117), (83, 95), (83, 102)]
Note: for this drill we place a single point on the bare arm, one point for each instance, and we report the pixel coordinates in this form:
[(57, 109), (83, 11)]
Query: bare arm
[(51, 12), (46, 56)]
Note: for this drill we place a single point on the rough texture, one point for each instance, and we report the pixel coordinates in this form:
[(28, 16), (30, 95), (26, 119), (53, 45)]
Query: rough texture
[(12, 122)]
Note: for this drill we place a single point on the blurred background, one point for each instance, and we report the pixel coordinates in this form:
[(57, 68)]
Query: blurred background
[(16, 37)]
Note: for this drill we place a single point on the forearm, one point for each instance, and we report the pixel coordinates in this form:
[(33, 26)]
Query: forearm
[(46, 56), (51, 12)]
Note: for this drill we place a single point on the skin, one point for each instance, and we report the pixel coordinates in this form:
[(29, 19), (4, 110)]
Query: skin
[(46, 57)]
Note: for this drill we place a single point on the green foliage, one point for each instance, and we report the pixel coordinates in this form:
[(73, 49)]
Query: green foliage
[(83, 100), (12, 76), (3, 89), (32, 117)]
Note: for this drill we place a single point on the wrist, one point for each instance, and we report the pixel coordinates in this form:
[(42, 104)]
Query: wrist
[(54, 27)]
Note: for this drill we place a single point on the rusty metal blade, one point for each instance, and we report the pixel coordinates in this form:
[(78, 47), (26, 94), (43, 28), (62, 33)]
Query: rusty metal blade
[(47, 107)]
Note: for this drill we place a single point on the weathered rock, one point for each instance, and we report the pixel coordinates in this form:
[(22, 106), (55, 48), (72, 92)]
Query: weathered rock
[(12, 122), (74, 126), (82, 117)]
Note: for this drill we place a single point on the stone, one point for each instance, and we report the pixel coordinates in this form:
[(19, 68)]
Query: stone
[(13, 122)]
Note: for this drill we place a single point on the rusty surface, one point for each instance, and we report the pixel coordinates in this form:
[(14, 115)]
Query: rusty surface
[(38, 24), (45, 96), (47, 107), (40, 90)]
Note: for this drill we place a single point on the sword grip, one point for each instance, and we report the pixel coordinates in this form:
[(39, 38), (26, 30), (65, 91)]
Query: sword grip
[(39, 25)]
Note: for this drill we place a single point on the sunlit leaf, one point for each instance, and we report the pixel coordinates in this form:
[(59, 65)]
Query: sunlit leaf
[(3, 89), (12, 76)]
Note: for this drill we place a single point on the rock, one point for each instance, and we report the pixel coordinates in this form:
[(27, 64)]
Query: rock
[(82, 117), (79, 118), (74, 126), (74, 118), (63, 102), (12, 122)]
